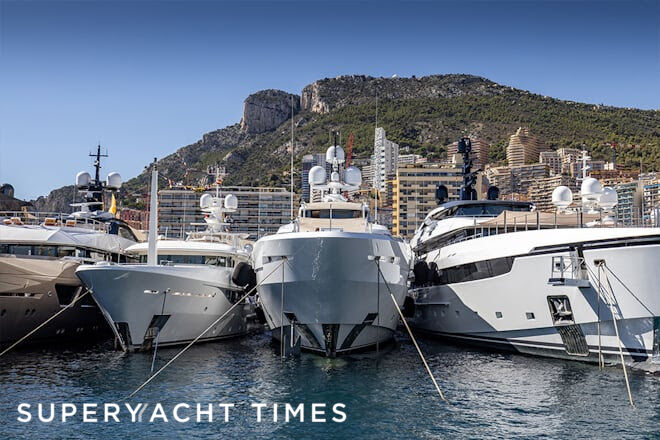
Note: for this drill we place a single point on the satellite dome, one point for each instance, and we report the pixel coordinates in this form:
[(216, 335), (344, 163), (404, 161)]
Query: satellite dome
[(353, 176), (205, 201), (562, 197), (590, 188), (231, 202), (608, 198), (316, 175), (82, 179), (334, 151), (114, 181)]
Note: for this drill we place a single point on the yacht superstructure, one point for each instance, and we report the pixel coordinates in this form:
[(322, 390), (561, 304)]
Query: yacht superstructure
[(569, 284), (324, 279), (180, 287), (39, 253)]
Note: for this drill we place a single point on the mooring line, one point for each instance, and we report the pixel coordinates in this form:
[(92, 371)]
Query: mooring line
[(176, 356), (68, 306), (419, 351), (626, 287), (616, 329)]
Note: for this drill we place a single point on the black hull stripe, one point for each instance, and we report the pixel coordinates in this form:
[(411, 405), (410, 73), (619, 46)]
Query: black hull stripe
[(527, 342)]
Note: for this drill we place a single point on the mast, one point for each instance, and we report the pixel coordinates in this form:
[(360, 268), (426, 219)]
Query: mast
[(292, 153), (469, 177), (97, 162), (153, 217)]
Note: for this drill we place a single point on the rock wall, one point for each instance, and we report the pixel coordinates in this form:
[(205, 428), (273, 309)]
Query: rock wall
[(266, 110)]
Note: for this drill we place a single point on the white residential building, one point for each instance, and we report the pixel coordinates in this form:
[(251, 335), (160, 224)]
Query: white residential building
[(384, 160)]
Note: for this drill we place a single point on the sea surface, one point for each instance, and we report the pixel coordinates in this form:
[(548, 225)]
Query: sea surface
[(386, 394)]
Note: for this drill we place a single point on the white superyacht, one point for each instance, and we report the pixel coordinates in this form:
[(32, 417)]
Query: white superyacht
[(39, 253), (318, 277), (569, 284), (182, 288)]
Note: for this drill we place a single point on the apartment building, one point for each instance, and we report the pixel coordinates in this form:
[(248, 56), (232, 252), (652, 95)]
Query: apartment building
[(523, 148), (413, 193), (261, 211)]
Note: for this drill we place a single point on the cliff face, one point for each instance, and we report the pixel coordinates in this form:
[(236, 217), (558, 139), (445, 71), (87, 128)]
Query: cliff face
[(266, 110), (57, 201)]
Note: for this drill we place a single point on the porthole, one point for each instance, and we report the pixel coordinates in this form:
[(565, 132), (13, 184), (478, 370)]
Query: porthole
[(498, 315), (530, 315)]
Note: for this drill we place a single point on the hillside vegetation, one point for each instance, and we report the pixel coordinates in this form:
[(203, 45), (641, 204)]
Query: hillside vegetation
[(424, 114)]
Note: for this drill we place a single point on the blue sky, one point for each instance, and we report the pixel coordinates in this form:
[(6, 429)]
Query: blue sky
[(147, 77)]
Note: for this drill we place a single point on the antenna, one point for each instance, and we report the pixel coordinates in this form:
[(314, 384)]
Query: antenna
[(377, 179), (292, 152), (97, 162)]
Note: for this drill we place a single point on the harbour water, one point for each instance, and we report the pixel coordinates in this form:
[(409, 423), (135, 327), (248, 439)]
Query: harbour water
[(386, 394)]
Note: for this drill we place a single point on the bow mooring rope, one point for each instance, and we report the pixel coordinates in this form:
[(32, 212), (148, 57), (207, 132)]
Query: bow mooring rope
[(176, 356), (419, 351)]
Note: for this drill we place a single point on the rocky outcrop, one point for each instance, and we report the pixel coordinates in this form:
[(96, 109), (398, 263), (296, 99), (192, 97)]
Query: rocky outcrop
[(59, 200), (328, 94), (266, 110)]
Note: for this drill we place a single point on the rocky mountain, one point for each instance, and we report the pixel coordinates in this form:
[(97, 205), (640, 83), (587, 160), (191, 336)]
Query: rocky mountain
[(424, 114), (57, 201)]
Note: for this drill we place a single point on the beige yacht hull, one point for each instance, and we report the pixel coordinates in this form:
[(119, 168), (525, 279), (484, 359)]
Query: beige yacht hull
[(33, 289)]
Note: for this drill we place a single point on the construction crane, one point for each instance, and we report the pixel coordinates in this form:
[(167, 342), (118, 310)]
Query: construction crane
[(349, 150)]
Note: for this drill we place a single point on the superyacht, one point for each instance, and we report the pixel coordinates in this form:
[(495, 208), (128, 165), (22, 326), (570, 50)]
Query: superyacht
[(180, 287), (325, 279), (39, 253), (571, 284)]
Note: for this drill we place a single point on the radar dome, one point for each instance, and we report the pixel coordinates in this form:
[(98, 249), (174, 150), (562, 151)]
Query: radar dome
[(590, 188), (114, 181), (231, 202), (334, 151), (562, 197), (82, 179), (205, 201), (353, 176), (608, 198), (316, 176)]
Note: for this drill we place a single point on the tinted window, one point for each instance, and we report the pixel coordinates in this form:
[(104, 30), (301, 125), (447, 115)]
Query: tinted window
[(475, 271), (336, 213)]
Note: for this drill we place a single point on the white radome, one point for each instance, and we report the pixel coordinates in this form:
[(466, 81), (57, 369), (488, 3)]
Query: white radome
[(353, 176), (316, 175), (114, 180), (82, 179), (231, 202), (608, 198), (591, 189), (335, 152), (562, 197), (205, 201)]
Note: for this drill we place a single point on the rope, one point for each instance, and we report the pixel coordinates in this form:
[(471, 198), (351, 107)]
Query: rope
[(282, 312), (616, 329), (45, 322), (153, 376), (601, 363), (405, 323), (626, 287)]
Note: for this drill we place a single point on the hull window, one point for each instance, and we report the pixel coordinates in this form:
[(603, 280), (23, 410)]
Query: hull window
[(475, 271)]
